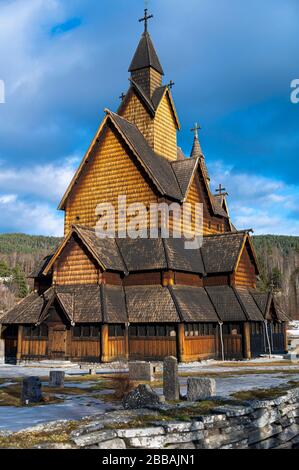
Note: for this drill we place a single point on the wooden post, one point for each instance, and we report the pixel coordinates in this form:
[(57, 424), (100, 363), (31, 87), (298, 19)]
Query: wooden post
[(246, 341), (286, 339), (104, 343), (127, 351), (181, 343), (20, 342)]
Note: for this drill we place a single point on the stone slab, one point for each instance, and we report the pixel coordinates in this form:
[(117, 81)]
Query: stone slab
[(200, 388), (141, 370), (171, 385)]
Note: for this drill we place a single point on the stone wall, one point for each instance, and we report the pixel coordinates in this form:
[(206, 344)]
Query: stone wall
[(260, 425)]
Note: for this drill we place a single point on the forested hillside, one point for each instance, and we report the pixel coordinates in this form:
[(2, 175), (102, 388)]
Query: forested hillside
[(19, 254), (278, 259)]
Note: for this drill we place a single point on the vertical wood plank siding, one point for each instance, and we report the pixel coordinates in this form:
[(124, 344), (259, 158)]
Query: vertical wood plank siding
[(245, 274), (152, 348), (201, 347)]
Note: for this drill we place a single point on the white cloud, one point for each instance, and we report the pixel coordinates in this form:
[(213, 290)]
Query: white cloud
[(47, 181), (8, 198), (264, 204), (32, 218)]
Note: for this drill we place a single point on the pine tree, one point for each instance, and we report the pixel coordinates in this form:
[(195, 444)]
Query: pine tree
[(19, 281), (4, 269)]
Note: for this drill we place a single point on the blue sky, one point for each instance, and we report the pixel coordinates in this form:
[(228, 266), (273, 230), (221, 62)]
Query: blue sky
[(64, 61)]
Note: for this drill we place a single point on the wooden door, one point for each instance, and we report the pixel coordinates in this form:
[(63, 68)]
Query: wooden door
[(57, 341)]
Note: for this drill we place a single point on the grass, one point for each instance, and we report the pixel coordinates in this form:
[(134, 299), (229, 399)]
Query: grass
[(239, 373), (27, 440), (265, 393)]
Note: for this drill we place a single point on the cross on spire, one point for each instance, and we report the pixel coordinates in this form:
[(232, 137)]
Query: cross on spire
[(145, 19), (195, 129), (171, 84), (122, 96), (220, 190)]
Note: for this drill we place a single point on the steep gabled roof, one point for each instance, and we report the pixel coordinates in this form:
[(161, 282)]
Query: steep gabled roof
[(221, 252), (103, 250), (157, 168), (40, 267), (184, 171), (152, 104), (145, 55)]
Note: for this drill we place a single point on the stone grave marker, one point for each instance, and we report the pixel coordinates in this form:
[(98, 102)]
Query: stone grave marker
[(31, 390), (200, 388), (141, 370), (56, 378), (171, 385)]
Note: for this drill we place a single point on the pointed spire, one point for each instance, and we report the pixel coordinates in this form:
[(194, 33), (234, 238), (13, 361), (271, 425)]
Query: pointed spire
[(196, 149), (146, 56), (198, 153)]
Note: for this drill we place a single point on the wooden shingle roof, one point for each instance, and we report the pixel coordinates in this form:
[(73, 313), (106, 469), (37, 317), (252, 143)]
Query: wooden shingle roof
[(143, 304), (145, 55), (150, 304), (249, 306), (194, 304), (226, 304), (221, 252)]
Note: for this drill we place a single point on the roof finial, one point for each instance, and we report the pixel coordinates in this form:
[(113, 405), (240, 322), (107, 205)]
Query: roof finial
[(221, 190), (145, 19), (171, 84), (196, 128)]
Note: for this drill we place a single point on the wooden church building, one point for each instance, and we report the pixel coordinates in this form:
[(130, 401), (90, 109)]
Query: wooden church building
[(103, 299)]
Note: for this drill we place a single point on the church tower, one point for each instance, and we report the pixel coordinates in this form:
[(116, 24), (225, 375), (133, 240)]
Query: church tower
[(148, 103)]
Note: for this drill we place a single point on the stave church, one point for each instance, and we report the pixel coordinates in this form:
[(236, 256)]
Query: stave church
[(118, 298)]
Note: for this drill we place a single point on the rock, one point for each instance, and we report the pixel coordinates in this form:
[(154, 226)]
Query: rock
[(31, 390), (87, 429), (140, 432), (187, 446), (94, 438), (171, 385), (112, 444), (153, 442), (200, 388), (183, 438), (262, 434), (56, 378), (141, 370), (233, 411), (141, 397), (289, 433)]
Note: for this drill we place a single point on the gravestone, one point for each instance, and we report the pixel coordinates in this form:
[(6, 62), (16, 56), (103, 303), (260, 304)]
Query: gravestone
[(31, 390), (141, 370), (56, 378), (141, 397), (200, 388), (2, 350), (171, 385)]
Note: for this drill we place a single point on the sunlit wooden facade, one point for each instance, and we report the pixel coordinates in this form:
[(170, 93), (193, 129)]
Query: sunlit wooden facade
[(100, 300)]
